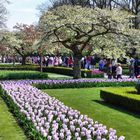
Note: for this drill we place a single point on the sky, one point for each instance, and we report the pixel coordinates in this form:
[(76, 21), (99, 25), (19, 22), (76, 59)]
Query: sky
[(23, 11)]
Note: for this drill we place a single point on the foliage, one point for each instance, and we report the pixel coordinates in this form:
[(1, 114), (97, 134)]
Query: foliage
[(78, 29), (9, 75), (59, 70), (6, 66), (69, 71), (5, 48), (3, 13), (124, 97), (21, 41), (73, 25), (28, 34)]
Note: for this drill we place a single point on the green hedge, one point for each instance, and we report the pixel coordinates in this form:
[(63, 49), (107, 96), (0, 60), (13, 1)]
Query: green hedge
[(9, 75), (82, 85), (59, 70), (19, 67), (123, 97), (69, 72), (125, 71), (22, 120)]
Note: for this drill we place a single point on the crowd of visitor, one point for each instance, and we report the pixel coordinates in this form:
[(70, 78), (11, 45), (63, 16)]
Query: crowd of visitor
[(134, 67), (87, 62), (109, 66), (114, 69)]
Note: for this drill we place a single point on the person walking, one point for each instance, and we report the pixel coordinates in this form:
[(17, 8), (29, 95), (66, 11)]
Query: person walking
[(119, 71), (132, 68), (114, 68)]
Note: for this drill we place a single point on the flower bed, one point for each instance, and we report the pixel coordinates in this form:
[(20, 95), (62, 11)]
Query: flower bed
[(92, 73), (83, 83), (124, 97), (44, 117)]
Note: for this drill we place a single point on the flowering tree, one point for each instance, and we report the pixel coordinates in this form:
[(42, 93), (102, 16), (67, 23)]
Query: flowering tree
[(3, 12), (75, 27), (3, 50), (22, 40), (41, 49)]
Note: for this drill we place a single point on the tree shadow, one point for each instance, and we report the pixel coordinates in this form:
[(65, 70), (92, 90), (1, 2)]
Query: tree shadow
[(118, 108), (132, 92)]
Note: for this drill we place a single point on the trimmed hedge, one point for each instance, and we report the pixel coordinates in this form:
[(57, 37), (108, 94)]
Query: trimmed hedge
[(12, 75), (60, 85), (20, 67), (123, 97), (69, 72), (126, 71), (58, 70), (21, 119)]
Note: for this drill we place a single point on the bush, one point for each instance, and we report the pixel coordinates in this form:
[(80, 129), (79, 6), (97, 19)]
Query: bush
[(19, 67), (61, 84), (8, 75), (123, 97), (126, 71), (59, 70), (69, 72)]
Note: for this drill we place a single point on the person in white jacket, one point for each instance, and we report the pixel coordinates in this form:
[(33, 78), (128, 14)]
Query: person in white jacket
[(119, 71)]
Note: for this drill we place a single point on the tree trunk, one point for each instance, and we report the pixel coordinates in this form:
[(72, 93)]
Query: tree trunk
[(23, 60), (77, 66), (2, 59), (136, 22), (13, 60), (41, 58)]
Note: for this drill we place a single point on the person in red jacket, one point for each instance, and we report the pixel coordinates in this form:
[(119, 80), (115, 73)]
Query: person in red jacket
[(70, 62)]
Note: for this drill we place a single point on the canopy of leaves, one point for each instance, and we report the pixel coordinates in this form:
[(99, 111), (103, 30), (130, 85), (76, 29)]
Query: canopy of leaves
[(3, 12), (76, 27)]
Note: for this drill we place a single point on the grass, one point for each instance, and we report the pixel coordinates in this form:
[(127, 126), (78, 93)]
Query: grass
[(58, 76), (88, 102), (9, 129)]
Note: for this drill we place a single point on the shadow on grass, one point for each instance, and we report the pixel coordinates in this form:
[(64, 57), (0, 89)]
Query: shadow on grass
[(118, 108), (132, 92)]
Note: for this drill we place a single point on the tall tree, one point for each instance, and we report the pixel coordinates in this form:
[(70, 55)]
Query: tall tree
[(27, 34), (84, 3), (22, 40), (74, 27), (132, 6), (3, 12)]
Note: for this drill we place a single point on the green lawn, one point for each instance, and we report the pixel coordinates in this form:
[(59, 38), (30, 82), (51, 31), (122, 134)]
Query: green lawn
[(9, 129), (58, 76), (88, 102)]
